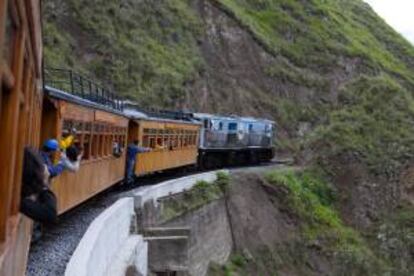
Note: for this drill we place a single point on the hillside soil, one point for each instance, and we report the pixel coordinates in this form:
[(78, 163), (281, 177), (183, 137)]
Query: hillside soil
[(273, 236)]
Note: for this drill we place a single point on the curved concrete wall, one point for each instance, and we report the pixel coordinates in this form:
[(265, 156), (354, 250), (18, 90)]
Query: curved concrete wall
[(172, 187), (99, 246), (108, 246)]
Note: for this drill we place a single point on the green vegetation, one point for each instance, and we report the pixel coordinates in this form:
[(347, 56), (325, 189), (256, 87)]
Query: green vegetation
[(394, 236), (233, 267), (311, 199), (318, 33), (374, 123), (147, 50), (320, 39), (201, 194)]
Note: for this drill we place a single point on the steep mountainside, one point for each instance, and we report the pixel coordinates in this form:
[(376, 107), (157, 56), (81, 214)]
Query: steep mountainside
[(334, 76)]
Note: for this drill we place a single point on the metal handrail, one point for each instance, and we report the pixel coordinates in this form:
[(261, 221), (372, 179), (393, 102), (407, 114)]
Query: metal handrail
[(160, 113), (83, 87)]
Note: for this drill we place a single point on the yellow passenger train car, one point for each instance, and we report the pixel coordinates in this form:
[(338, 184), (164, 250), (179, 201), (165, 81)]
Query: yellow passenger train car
[(173, 143), (98, 127), (20, 109), (102, 125)]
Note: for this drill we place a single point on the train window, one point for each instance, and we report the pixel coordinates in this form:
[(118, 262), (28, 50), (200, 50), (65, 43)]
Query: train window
[(232, 126), (160, 138), (106, 143), (78, 136), (78, 126), (220, 126), (121, 141), (175, 139), (67, 126), (95, 141), (86, 147), (95, 146), (101, 144), (103, 141), (111, 143), (160, 142), (145, 141), (88, 127), (185, 139), (86, 142), (194, 138), (166, 141), (152, 142)]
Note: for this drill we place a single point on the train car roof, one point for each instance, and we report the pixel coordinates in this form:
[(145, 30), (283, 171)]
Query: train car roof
[(62, 95), (232, 118), (137, 115), (134, 111), (132, 114)]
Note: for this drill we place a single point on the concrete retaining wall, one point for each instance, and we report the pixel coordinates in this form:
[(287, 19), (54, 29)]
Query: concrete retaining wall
[(107, 234), (171, 187), (211, 238), (108, 246)]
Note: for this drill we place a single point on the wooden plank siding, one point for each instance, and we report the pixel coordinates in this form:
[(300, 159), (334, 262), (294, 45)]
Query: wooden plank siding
[(96, 132), (20, 110), (164, 155)]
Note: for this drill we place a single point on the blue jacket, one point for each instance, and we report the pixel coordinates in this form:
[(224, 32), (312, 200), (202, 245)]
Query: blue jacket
[(54, 170), (133, 150)]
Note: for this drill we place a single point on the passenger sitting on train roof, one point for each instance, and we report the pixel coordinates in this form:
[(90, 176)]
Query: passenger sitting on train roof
[(132, 150), (49, 148), (37, 201)]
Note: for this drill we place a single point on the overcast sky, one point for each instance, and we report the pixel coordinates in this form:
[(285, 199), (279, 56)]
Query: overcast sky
[(398, 13)]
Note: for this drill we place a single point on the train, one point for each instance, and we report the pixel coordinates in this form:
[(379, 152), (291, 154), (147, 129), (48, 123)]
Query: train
[(37, 104)]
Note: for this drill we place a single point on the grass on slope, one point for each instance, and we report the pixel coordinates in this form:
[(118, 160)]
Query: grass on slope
[(311, 199), (317, 34), (201, 194), (145, 49), (374, 122), (317, 38)]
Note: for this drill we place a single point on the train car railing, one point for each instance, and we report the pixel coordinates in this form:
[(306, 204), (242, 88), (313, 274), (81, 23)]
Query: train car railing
[(160, 113), (73, 83)]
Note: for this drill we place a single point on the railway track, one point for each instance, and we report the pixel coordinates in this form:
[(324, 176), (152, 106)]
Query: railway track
[(51, 253)]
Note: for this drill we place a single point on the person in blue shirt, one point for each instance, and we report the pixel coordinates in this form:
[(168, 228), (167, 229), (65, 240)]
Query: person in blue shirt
[(132, 151), (49, 148)]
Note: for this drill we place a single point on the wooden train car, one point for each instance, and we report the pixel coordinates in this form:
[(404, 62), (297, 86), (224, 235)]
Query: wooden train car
[(98, 128), (20, 109), (173, 143)]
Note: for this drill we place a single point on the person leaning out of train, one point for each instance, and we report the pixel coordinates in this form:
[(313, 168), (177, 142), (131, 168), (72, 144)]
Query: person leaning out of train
[(50, 147), (68, 139), (133, 150), (37, 201), (71, 158)]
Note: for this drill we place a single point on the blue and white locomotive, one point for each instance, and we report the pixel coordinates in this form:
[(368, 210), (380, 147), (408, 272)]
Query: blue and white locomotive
[(234, 140)]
